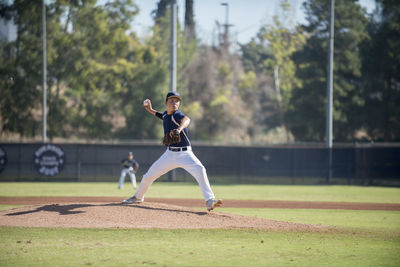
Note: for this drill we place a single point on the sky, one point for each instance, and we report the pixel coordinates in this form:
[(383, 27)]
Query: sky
[(247, 16)]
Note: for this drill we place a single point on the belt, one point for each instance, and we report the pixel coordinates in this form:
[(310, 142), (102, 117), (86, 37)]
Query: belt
[(179, 149)]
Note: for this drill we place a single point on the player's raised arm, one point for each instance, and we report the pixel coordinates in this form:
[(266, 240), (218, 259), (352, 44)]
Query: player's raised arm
[(147, 105)]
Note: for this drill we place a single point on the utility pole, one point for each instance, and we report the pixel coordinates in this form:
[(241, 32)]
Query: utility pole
[(44, 119), (225, 36), (173, 52), (329, 94)]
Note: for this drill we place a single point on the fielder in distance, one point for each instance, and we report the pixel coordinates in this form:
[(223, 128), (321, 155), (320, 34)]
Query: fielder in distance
[(178, 154)]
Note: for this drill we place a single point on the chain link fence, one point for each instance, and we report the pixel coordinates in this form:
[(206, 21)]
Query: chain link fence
[(352, 164)]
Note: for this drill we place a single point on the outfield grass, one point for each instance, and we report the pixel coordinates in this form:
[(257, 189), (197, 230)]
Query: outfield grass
[(189, 190), (82, 247)]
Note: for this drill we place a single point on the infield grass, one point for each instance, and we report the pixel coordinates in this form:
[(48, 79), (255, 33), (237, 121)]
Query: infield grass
[(189, 190), (112, 247), (372, 221)]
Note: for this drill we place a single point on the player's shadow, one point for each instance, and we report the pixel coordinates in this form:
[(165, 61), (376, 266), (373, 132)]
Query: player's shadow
[(166, 209), (61, 209), (70, 209)]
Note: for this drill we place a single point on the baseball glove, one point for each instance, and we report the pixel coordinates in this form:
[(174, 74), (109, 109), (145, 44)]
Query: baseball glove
[(172, 138)]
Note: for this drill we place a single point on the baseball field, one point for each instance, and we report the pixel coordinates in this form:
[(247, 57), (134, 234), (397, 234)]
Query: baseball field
[(81, 224)]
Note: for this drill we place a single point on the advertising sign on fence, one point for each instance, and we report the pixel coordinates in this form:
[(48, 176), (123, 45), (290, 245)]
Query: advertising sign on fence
[(49, 159)]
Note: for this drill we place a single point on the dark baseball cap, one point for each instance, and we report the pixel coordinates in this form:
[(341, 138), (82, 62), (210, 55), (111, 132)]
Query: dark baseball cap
[(173, 94)]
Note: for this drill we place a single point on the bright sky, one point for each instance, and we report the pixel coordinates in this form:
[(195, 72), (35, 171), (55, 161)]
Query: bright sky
[(247, 16)]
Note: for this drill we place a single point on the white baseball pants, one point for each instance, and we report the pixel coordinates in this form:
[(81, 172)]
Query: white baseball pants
[(124, 172), (171, 160)]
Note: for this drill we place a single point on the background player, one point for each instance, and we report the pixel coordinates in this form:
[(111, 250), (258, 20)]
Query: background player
[(177, 155), (128, 166)]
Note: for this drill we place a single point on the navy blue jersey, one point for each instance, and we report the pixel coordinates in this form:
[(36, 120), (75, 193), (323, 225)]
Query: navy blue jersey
[(126, 163), (169, 125)]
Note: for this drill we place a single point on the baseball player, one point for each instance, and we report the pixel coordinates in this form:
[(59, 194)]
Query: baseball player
[(178, 153), (128, 166)]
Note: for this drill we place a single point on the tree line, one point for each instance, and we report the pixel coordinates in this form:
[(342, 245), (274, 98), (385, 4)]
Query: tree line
[(273, 90)]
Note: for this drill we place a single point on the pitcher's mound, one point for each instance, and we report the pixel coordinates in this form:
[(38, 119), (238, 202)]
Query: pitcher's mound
[(143, 215)]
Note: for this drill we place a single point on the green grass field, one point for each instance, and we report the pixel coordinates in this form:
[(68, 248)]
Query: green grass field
[(359, 238), (82, 247)]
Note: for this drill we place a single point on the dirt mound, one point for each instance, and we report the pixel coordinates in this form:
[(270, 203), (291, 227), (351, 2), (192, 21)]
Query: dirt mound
[(143, 215)]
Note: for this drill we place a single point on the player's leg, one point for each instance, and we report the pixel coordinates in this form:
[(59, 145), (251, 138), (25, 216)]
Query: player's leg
[(188, 161), (133, 179), (161, 166), (122, 178)]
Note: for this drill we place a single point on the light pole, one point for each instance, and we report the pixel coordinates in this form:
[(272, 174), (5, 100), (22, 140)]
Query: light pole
[(329, 93), (173, 61), (44, 130), (172, 84)]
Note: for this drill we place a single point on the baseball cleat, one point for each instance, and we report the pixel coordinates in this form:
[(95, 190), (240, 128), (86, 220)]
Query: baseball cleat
[(213, 203), (131, 200)]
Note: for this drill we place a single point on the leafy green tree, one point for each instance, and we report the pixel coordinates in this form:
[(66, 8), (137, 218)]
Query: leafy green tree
[(266, 113), (148, 79), (255, 53), (20, 69), (100, 46), (306, 117), (381, 73), (95, 67), (269, 55), (282, 43)]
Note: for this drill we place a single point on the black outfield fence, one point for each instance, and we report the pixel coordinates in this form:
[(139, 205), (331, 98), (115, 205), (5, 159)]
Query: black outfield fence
[(369, 164)]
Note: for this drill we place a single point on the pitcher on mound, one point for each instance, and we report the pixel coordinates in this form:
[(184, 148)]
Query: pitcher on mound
[(178, 153)]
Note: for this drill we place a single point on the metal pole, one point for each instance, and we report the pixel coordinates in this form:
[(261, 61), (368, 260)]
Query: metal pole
[(227, 14), (226, 26), (172, 84), (329, 123), (44, 131)]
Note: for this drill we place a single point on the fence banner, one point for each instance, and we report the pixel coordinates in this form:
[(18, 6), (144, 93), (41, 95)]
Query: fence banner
[(49, 159)]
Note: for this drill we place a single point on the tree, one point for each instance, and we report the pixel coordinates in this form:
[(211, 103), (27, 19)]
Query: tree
[(161, 10), (92, 63), (190, 32), (21, 59), (255, 53), (266, 114), (282, 44), (306, 116), (381, 73), (96, 51)]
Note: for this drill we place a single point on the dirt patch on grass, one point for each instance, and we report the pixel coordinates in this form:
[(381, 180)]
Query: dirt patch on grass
[(143, 215)]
